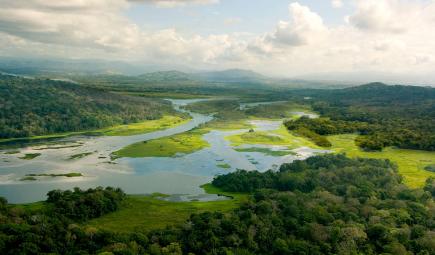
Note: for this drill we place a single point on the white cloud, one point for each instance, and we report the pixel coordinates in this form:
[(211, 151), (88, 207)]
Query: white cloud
[(389, 35), (305, 27), (337, 3), (176, 3), (390, 16), (93, 23)]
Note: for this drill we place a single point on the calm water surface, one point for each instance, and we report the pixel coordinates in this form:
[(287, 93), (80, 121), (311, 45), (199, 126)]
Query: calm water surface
[(181, 176)]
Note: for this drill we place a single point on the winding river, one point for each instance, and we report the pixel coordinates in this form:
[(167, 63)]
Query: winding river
[(180, 176)]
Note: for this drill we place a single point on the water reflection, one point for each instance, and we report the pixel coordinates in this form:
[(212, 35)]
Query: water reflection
[(180, 175)]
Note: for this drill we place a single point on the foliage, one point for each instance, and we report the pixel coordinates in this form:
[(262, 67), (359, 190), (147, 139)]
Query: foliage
[(85, 204), (323, 205), (33, 107), (402, 116), (51, 228), (411, 163)]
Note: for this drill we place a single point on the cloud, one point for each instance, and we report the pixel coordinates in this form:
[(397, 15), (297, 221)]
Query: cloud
[(305, 27), (176, 3), (91, 23), (337, 3), (389, 35), (386, 16)]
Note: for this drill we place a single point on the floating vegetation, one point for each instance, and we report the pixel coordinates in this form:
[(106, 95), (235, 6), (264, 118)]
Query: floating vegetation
[(33, 177), (58, 147), (28, 178), (110, 162), (430, 168), (30, 156), (80, 155), (224, 166), (12, 152), (267, 151)]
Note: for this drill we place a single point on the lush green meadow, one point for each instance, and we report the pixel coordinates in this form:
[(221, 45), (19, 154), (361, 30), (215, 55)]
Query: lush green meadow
[(147, 126), (411, 163), (147, 213), (184, 143), (280, 137)]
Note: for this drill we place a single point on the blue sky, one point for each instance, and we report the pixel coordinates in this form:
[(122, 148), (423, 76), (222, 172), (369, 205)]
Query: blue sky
[(212, 19), (321, 38)]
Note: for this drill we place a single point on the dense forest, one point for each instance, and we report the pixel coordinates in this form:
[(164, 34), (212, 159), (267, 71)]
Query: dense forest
[(401, 116), (30, 107), (326, 204)]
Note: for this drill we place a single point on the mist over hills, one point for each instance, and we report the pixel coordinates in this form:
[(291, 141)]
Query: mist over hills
[(152, 73), (139, 73)]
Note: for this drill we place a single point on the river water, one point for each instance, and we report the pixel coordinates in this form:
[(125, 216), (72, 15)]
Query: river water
[(180, 176)]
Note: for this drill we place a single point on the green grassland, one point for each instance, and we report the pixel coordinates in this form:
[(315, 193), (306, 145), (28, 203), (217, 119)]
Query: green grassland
[(145, 126), (279, 110), (167, 121), (183, 143), (266, 151), (228, 125), (147, 213), (276, 137), (229, 116), (411, 163)]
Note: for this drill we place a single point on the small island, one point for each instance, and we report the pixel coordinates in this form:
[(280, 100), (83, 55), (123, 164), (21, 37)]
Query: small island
[(32, 177)]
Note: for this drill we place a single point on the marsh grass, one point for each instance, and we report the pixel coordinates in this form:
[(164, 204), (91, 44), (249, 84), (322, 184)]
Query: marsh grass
[(224, 166), (411, 163), (145, 126), (266, 151), (146, 213), (80, 155), (30, 156), (184, 143)]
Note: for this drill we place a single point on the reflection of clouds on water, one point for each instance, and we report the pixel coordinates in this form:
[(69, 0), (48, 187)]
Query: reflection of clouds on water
[(305, 152), (265, 125), (178, 175)]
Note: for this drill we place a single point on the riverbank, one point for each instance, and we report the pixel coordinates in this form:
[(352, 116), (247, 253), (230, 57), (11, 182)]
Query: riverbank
[(147, 126)]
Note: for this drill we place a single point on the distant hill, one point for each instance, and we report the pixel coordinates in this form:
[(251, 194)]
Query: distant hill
[(386, 93), (167, 76), (233, 75)]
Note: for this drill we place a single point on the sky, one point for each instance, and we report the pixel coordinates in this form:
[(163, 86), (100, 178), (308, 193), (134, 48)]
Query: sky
[(274, 37)]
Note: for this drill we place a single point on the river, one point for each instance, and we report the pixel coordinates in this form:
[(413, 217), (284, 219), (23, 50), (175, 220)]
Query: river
[(180, 176)]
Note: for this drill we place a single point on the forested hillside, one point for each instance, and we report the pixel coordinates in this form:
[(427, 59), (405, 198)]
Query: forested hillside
[(402, 116), (323, 205), (30, 107)]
